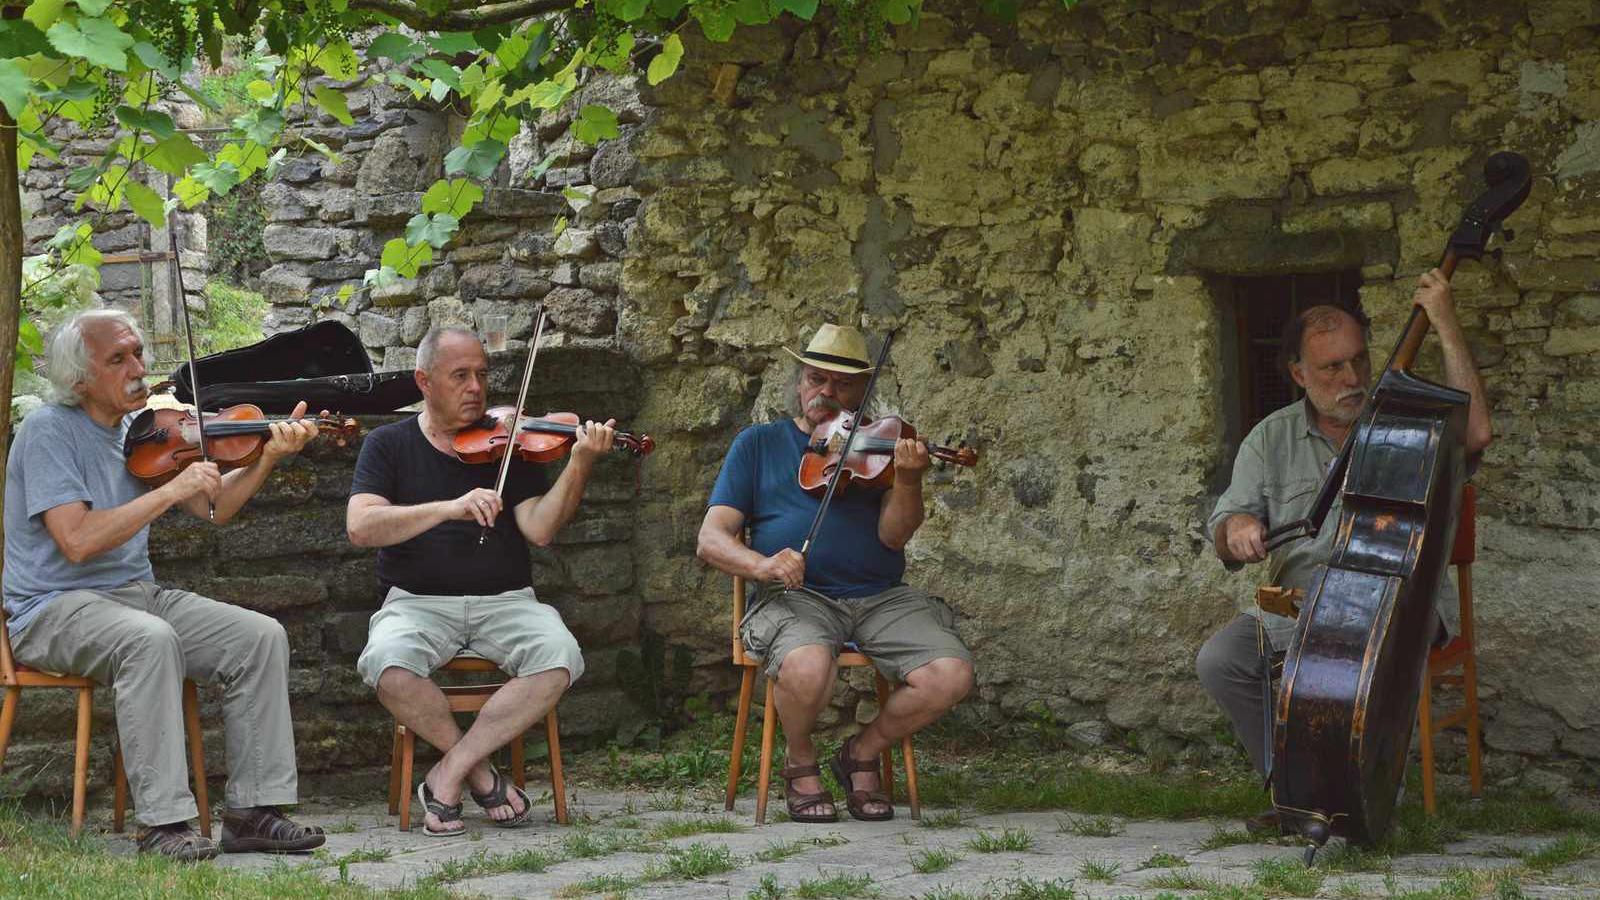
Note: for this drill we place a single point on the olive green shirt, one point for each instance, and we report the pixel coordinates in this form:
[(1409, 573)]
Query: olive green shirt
[(1276, 476)]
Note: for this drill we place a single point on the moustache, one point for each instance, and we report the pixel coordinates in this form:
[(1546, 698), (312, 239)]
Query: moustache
[(135, 388), (821, 402), (1351, 395)]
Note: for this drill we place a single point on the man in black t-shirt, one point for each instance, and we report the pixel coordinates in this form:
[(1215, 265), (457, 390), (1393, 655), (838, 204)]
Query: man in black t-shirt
[(446, 593)]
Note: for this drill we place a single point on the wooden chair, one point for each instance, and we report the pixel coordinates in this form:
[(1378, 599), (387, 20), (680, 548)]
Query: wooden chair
[(14, 677), (769, 723), (471, 698), (1459, 653)]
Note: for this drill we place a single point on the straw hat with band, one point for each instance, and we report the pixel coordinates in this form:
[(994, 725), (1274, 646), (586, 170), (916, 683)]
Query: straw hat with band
[(837, 348)]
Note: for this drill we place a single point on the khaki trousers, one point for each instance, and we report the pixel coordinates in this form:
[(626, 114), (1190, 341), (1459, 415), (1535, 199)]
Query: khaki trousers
[(143, 640)]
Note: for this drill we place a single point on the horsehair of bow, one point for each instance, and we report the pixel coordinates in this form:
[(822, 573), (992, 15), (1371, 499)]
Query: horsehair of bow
[(522, 398), (188, 336), (849, 438)]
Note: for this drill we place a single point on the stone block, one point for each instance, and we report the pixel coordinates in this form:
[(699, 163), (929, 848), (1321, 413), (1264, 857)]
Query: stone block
[(270, 594), (1581, 341), (515, 203), (448, 311), (501, 280), (283, 203), (1460, 68), (379, 330), (1350, 176), (1351, 217), (582, 311), (601, 276), (614, 164), (403, 292), (414, 324), (576, 243), (293, 242), (399, 359), (387, 209), (286, 283), (565, 274)]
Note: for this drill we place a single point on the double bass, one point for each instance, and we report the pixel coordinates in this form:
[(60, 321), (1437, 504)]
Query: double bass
[(1352, 675)]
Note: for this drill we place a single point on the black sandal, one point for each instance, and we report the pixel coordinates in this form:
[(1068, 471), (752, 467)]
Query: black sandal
[(445, 814), (177, 841), (844, 765), (496, 797), (800, 804)]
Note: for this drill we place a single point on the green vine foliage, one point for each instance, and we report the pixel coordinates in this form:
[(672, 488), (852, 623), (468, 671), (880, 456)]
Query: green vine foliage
[(102, 68), (235, 224)]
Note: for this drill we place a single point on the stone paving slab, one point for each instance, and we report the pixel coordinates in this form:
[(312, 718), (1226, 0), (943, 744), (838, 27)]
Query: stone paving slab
[(376, 853)]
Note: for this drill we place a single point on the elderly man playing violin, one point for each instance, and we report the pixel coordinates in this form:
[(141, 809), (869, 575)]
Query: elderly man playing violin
[(848, 588), (1276, 476), (82, 599), (454, 568)]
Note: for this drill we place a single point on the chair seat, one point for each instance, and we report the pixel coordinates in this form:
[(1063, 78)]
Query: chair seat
[(27, 676)]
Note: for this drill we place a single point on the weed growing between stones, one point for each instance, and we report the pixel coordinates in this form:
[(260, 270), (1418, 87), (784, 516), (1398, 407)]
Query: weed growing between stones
[(610, 885), (930, 861), (1567, 849), (767, 889), (364, 854), (780, 851), (1010, 840), (837, 885), (1089, 826), (1164, 861), (950, 818), (1099, 870), (1222, 837), (677, 828), (1179, 880), (591, 844), (484, 863), (691, 862), (1287, 876)]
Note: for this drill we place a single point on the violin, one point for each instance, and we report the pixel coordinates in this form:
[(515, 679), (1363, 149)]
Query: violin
[(161, 442), (870, 464), (538, 440)]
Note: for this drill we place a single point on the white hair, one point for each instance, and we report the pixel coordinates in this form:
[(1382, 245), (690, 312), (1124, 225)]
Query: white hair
[(69, 361), (430, 342)]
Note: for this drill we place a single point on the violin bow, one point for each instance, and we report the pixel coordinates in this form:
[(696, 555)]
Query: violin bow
[(188, 335), (522, 398), (849, 438)]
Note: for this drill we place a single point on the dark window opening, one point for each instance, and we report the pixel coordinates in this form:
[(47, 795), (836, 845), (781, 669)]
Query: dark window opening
[(1262, 306)]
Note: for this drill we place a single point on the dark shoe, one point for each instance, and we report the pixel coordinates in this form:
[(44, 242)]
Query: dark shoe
[(844, 766), (263, 829), (177, 841), (495, 797), (800, 805), (1264, 823)]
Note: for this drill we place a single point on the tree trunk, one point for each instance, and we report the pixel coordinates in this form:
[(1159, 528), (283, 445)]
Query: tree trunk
[(10, 282)]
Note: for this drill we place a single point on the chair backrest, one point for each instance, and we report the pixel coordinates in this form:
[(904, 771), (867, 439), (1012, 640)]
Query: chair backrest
[(1465, 551)]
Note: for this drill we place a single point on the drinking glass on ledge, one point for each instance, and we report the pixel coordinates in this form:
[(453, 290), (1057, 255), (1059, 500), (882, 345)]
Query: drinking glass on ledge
[(494, 332)]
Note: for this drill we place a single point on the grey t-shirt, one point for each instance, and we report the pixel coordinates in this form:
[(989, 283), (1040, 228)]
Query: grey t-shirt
[(1276, 476), (60, 456)]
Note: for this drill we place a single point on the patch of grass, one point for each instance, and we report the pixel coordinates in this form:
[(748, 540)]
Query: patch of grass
[(669, 829), (1019, 782), (484, 863), (1469, 884), (1089, 826), (1348, 890), (837, 885), (1099, 870), (767, 889), (1347, 858), (950, 818), (364, 854), (1179, 880), (1287, 876), (1222, 837), (1031, 889), (593, 844), (945, 892), (1567, 849), (1010, 840), (348, 826), (674, 802), (612, 885), (692, 862), (39, 859), (780, 851), (930, 861), (1164, 861)]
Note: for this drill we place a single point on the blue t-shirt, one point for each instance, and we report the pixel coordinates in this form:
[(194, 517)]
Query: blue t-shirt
[(760, 478), (60, 456)]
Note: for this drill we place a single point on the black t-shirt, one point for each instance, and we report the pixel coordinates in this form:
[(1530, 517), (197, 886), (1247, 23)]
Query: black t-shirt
[(398, 464)]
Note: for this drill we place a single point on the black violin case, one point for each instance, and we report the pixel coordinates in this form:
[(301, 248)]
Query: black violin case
[(323, 364)]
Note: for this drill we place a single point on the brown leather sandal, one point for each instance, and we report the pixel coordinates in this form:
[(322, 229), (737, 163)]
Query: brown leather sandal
[(844, 765), (801, 804)]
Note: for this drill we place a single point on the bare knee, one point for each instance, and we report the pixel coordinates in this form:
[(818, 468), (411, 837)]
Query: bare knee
[(396, 683), (807, 670), (947, 681)]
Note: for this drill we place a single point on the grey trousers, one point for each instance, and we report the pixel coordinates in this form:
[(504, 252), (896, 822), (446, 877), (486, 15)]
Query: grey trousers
[(1229, 666), (143, 640)]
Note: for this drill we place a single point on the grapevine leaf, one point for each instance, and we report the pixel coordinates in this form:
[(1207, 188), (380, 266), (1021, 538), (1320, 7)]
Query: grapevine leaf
[(190, 193), (452, 43), (478, 160), (397, 47), (14, 88), (175, 155), (595, 124), (667, 9), (338, 59), (666, 62), (219, 178), (333, 103), (146, 203), (96, 40), (457, 197), (435, 229), (405, 259), (717, 23), (804, 9), (18, 38), (154, 121)]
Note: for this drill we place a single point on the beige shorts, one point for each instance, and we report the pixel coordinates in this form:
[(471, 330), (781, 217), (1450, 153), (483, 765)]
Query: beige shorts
[(513, 630), (900, 629)]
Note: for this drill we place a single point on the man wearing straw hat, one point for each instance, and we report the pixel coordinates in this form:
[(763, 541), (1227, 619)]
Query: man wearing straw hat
[(848, 588)]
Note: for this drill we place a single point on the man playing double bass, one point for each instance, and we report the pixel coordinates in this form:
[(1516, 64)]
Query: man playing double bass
[(82, 598), (849, 588), (1276, 476)]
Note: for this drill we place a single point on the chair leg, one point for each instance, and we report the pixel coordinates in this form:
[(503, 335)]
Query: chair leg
[(888, 752), (741, 724), (408, 747), (1425, 727), (8, 715), (1469, 669), (80, 759), (394, 772), (197, 753), (769, 730), (911, 777), (558, 778), (119, 788), (519, 760)]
